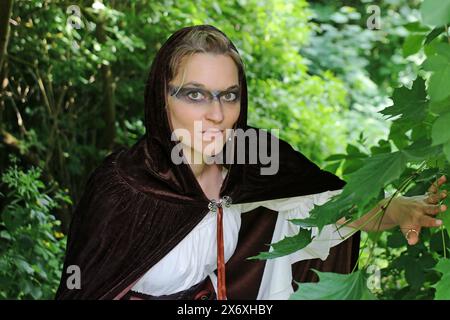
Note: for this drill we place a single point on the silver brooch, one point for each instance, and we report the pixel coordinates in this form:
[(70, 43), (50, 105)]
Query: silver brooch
[(226, 201), (213, 204)]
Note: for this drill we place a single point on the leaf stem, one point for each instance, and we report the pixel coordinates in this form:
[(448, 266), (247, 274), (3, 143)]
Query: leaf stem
[(440, 203), (380, 214), (402, 188)]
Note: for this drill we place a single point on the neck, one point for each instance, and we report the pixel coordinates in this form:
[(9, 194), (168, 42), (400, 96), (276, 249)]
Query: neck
[(197, 163)]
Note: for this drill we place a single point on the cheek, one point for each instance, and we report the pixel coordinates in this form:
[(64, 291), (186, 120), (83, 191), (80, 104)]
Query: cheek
[(184, 116), (233, 115)]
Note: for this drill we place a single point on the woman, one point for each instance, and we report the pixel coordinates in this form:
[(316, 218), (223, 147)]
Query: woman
[(162, 221)]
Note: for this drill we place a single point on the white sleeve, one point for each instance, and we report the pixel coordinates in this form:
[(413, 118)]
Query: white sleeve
[(276, 283)]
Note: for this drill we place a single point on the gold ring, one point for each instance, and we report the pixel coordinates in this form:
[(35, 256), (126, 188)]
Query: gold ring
[(409, 231)]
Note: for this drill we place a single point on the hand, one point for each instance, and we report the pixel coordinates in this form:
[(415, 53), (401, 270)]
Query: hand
[(413, 213)]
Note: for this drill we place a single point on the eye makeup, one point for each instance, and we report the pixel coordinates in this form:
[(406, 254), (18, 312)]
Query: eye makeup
[(197, 95)]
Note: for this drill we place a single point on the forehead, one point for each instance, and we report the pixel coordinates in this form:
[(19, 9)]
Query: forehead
[(214, 71)]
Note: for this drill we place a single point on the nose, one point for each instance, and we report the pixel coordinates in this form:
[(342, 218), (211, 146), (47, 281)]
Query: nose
[(215, 112)]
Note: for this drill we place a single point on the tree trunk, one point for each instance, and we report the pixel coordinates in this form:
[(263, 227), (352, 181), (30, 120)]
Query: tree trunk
[(108, 108), (5, 14)]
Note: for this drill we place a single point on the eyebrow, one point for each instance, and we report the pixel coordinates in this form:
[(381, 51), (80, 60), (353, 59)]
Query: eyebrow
[(199, 85)]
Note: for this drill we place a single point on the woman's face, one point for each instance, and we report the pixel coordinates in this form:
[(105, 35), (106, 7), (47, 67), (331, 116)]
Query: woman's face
[(193, 108)]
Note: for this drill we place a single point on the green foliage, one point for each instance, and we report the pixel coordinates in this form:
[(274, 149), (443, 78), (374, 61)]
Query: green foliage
[(443, 286), (403, 98), (55, 96), (31, 247), (334, 286), (435, 12), (438, 62), (413, 156), (287, 246), (315, 70), (369, 62)]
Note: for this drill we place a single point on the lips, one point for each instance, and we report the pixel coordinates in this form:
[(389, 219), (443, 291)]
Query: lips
[(212, 133)]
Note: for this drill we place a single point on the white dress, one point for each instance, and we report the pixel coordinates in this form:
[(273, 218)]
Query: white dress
[(195, 257)]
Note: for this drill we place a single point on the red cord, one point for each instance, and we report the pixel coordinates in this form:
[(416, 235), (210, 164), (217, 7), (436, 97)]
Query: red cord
[(221, 287)]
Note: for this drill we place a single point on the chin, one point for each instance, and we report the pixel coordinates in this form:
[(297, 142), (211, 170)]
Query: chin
[(210, 150), (210, 153)]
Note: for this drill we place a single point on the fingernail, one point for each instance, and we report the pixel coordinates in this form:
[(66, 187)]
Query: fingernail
[(438, 222), (443, 207)]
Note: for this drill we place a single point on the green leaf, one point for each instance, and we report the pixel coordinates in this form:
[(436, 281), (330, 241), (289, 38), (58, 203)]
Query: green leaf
[(410, 104), (434, 62), (437, 241), (433, 34), (354, 152), (24, 266), (335, 157), (421, 150), (334, 286), (416, 26), (442, 49), (5, 235), (436, 48), (435, 12), (304, 223), (427, 261), (440, 107), (36, 292), (439, 64), (443, 286), (414, 274), (412, 44), (440, 132), (445, 216), (332, 167), (396, 240), (382, 147), (446, 150), (286, 246), (439, 81), (398, 134), (351, 165), (380, 170)]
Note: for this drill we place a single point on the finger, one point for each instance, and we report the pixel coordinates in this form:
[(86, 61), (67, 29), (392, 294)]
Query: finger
[(443, 194), (442, 180), (433, 198), (433, 188), (429, 222), (435, 185), (434, 209), (411, 234)]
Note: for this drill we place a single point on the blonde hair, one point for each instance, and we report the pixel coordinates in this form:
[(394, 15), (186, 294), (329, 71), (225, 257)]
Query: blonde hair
[(202, 41)]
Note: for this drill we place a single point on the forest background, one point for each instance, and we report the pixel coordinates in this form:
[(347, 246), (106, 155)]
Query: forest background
[(359, 87)]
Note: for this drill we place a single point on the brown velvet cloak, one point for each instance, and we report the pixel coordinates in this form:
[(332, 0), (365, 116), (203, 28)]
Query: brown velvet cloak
[(138, 205)]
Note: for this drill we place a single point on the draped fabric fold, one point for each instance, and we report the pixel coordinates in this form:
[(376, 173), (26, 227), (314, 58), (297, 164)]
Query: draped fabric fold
[(335, 249)]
